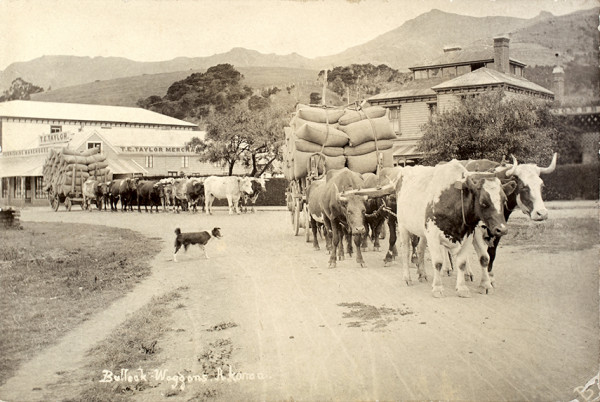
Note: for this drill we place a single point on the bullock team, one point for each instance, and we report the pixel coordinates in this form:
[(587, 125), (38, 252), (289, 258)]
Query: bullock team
[(447, 207), (173, 194)]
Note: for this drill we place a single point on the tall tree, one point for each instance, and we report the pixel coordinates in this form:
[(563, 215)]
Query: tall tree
[(20, 89), (219, 89)]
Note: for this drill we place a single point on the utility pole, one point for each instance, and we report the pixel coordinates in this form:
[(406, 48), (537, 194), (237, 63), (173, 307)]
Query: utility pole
[(324, 88)]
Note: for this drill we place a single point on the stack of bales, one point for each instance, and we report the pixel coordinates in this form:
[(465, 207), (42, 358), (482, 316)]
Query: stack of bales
[(313, 130), (65, 170), (369, 132)]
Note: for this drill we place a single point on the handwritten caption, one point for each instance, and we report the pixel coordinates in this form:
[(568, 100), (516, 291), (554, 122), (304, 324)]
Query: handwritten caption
[(178, 380)]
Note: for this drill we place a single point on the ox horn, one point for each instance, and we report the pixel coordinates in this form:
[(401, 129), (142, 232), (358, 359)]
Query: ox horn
[(511, 171), (550, 168), (338, 194)]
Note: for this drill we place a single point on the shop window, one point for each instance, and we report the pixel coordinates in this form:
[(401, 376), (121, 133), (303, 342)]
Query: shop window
[(395, 119), (18, 189), (39, 188), (55, 129), (150, 161), (94, 144), (4, 185), (185, 161)]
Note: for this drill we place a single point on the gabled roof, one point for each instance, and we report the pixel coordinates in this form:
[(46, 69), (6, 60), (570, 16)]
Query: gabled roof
[(464, 56), (82, 112), (414, 88), (487, 76)]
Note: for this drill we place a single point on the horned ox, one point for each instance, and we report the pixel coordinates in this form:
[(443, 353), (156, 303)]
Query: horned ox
[(343, 211), (229, 187), (94, 190), (314, 194), (527, 196), (259, 185), (149, 192), (444, 204)]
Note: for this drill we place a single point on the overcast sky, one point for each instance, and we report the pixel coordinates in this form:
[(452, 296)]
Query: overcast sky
[(153, 30)]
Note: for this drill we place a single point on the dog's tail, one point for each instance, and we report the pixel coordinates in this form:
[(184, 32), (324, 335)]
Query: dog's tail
[(177, 231)]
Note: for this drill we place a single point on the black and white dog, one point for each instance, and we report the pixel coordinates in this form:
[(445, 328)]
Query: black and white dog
[(200, 238)]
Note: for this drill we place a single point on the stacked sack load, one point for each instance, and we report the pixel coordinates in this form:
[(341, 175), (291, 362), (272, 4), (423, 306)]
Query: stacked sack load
[(369, 132), (313, 130), (66, 170)]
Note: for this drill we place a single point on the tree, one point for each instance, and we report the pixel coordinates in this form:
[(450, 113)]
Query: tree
[(264, 138), (315, 98), (20, 89), (490, 126), (245, 136), (219, 89)]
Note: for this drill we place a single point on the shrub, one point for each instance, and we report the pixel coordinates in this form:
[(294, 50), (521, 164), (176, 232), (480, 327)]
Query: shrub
[(572, 182)]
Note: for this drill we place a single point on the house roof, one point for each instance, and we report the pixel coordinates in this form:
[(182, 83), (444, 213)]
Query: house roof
[(414, 88), (83, 112), (464, 56), (487, 76), (22, 165)]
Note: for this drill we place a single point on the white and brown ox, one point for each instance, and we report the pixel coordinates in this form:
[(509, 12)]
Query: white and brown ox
[(344, 212), (259, 185), (444, 204), (229, 187), (94, 190), (314, 195), (527, 197)]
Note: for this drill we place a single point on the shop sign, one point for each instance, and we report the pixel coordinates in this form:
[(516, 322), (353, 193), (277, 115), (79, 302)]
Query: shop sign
[(55, 138), (25, 152), (158, 149)]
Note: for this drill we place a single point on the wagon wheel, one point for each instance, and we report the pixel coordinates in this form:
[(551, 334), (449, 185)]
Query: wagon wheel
[(68, 203), (297, 208), (306, 223), (55, 202)]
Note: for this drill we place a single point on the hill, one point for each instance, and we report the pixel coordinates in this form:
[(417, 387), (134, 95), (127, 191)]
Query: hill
[(126, 91), (534, 42)]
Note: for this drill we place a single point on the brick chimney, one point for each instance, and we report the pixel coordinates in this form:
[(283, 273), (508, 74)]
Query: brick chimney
[(501, 62), (558, 81)]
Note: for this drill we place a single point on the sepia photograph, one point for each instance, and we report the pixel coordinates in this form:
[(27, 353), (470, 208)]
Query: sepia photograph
[(299, 200)]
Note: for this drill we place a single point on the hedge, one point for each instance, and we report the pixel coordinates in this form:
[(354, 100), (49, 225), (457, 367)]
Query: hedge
[(274, 196), (572, 182)]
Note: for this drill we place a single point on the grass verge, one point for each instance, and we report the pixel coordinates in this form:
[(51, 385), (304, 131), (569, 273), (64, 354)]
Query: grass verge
[(132, 345), (53, 276)]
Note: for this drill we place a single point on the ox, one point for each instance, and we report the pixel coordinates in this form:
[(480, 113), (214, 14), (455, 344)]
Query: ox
[(229, 187), (168, 192), (375, 215), (527, 196), (94, 190), (194, 192), (259, 185), (443, 205), (149, 192), (124, 190), (314, 194), (343, 211)]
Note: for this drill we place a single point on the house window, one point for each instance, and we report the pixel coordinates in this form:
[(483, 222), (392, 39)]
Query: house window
[(55, 129), (150, 161), (18, 189), (172, 173), (5, 184), (395, 119), (39, 188), (91, 145), (432, 108), (185, 161)]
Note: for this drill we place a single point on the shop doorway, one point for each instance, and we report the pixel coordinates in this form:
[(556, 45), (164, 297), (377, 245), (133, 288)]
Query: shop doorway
[(28, 187)]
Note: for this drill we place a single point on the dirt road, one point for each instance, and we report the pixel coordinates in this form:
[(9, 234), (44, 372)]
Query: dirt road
[(308, 332)]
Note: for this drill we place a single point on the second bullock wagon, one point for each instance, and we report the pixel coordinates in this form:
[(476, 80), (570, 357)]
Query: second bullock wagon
[(65, 171), (321, 138)]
